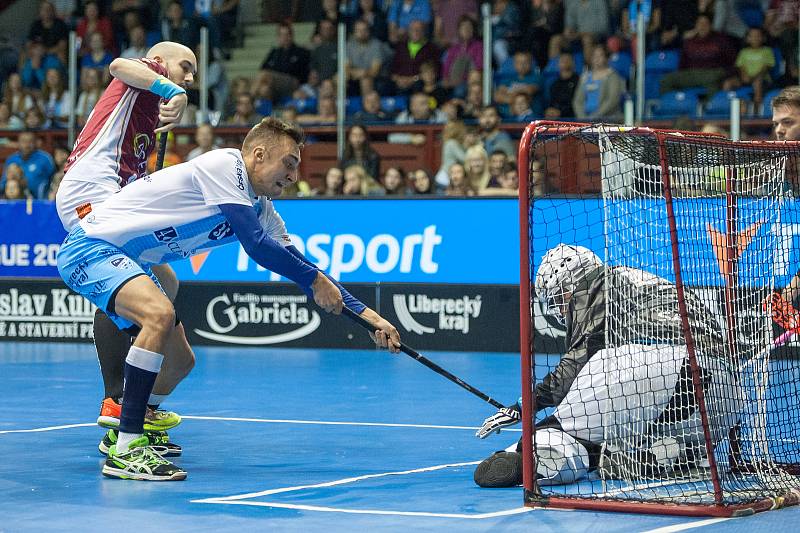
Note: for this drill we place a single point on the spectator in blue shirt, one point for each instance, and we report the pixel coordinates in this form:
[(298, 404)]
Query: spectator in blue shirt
[(525, 79), (402, 13), (37, 65), (37, 165), (493, 137), (98, 57)]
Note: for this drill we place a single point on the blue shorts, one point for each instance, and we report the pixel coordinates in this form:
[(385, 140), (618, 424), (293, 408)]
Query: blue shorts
[(97, 270)]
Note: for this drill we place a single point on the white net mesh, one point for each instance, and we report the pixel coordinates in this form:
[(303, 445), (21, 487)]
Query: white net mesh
[(700, 419)]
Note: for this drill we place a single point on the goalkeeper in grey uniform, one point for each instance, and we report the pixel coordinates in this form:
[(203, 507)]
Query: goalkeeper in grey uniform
[(623, 389)]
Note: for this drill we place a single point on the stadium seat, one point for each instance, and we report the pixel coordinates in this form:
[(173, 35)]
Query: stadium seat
[(719, 105), (780, 66), (303, 105), (656, 65), (394, 104), (661, 61), (621, 62), (766, 107), (674, 104), (550, 72), (352, 105), (263, 107)]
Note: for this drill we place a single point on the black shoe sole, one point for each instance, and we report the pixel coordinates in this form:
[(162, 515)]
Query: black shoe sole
[(503, 469)]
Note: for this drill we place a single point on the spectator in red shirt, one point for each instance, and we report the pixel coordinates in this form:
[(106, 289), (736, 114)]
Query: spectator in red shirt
[(92, 22), (706, 59), (447, 15), (410, 54)]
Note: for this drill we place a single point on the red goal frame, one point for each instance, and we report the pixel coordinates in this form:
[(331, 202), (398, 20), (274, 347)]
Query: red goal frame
[(533, 497)]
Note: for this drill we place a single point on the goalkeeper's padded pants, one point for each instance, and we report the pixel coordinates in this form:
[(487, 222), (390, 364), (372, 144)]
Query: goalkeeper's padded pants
[(623, 397)]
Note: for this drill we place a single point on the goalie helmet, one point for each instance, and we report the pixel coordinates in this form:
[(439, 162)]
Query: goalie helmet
[(561, 269)]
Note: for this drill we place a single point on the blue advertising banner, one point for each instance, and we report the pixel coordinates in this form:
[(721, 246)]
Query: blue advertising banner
[(369, 240), (468, 240), (30, 238), (358, 240)]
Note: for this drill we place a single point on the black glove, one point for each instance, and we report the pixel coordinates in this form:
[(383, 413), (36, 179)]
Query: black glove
[(507, 416)]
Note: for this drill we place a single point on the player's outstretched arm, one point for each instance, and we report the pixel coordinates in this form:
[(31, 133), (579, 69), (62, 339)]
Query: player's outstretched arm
[(385, 334), (265, 251)]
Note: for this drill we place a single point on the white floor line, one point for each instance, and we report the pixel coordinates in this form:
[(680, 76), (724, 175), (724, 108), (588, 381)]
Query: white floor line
[(218, 499), (687, 525), (264, 421), (507, 512), (331, 423), (49, 428)]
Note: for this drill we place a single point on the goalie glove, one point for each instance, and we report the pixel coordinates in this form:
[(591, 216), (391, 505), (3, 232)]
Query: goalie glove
[(783, 313), (507, 416)]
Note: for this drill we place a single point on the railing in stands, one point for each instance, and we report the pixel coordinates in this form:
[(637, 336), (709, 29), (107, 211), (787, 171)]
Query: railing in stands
[(319, 153)]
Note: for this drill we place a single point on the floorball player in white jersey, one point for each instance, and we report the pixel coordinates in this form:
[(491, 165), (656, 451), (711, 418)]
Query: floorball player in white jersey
[(110, 152), (217, 198), (635, 400)]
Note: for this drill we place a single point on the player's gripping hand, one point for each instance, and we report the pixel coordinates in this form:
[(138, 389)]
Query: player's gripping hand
[(171, 111), (385, 334), (507, 416), (326, 294)]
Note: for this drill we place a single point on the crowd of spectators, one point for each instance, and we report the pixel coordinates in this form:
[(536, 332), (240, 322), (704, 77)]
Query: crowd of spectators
[(412, 62)]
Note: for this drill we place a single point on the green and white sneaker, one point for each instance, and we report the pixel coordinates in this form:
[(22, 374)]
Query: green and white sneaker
[(156, 438), (141, 462), (154, 419)]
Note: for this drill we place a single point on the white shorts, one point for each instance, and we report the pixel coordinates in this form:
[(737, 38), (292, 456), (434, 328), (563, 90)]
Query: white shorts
[(621, 392), (74, 196)]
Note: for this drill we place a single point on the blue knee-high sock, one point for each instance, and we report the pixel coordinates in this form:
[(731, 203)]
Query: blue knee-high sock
[(141, 370)]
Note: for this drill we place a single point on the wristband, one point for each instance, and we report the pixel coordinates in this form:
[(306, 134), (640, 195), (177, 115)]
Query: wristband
[(165, 88)]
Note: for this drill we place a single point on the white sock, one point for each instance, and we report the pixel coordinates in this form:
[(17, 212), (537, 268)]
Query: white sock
[(124, 439), (156, 399)]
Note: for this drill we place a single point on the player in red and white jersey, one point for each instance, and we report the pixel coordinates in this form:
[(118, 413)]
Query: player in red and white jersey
[(110, 152), (113, 147)]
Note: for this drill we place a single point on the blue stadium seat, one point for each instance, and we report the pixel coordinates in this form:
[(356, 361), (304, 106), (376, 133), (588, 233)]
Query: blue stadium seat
[(780, 67), (550, 72), (579, 61), (656, 65), (352, 105), (719, 105), (303, 105), (751, 15), (661, 61), (766, 108), (394, 104), (675, 103), (621, 62), (263, 107)]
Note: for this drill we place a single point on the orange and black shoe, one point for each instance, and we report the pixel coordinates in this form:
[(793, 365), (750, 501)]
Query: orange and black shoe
[(154, 419)]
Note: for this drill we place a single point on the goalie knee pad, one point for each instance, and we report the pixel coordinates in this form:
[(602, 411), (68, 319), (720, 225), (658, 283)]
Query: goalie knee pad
[(560, 458)]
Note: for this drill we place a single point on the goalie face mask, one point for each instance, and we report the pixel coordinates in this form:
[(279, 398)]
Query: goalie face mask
[(562, 268)]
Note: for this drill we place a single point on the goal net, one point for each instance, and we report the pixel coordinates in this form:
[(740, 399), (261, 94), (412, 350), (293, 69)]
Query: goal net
[(652, 379)]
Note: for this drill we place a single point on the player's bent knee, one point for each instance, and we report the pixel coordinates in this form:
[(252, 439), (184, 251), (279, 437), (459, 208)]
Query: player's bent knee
[(160, 317)]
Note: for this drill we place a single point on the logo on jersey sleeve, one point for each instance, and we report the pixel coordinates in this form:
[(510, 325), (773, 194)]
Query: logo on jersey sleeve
[(121, 262), (166, 234), (221, 231)]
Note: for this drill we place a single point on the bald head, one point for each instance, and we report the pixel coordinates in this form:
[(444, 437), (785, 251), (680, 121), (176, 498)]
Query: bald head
[(180, 61)]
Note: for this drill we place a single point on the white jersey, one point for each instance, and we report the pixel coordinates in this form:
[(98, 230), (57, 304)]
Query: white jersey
[(174, 213)]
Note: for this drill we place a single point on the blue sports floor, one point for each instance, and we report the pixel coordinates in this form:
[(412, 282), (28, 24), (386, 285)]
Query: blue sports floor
[(283, 440)]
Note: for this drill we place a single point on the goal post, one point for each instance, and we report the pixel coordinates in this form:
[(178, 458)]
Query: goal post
[(669, 397)]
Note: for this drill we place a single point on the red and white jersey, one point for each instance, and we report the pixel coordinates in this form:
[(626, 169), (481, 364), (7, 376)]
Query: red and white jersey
[(118, 136)]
